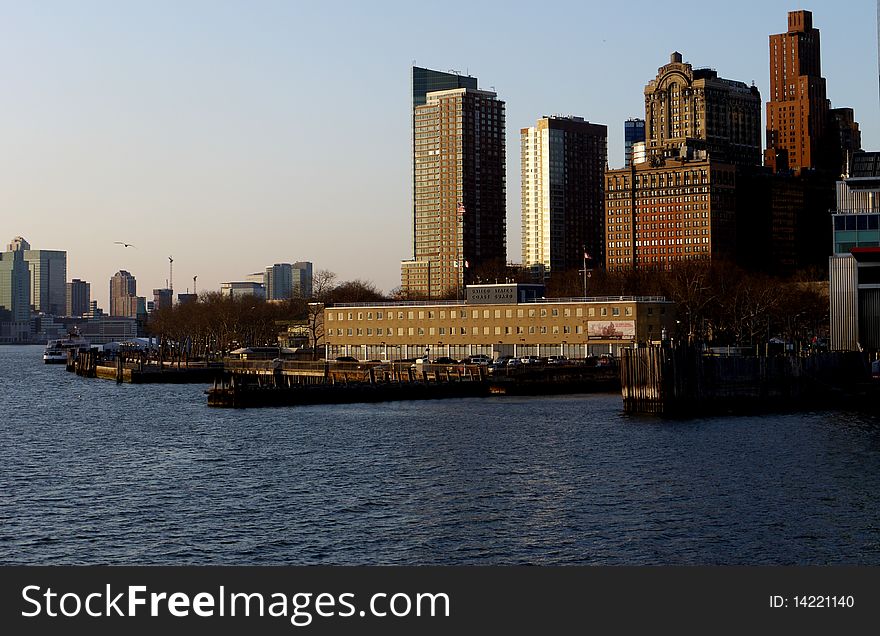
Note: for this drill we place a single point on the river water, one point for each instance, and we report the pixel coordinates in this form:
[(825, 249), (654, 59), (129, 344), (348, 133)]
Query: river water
[(96, 473)]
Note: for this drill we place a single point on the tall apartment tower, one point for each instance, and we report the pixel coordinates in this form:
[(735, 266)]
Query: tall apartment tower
[(279, 281), (78, 297), (696, 108), (459, 190), (633, 133), (424, 81), (123, 286), (797, 111), (563, 193)]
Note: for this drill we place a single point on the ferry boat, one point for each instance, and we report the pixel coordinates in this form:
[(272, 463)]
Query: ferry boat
[(56, 350)]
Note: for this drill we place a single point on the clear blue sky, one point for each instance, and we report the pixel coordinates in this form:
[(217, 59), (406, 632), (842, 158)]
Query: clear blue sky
[(232, 135)]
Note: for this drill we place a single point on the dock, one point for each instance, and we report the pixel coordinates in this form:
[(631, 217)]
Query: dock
[(134, 368), (684, 381)]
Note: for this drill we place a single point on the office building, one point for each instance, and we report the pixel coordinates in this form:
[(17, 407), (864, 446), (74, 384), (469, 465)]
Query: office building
[(122, 286), (459, 190), (238, 289), (845, 135), (162, 299), (48, 277), (696, 108), (797, 110), (633, 133), (15, 287), (854, 266), (286, 280), (78, 297), (563, 206)]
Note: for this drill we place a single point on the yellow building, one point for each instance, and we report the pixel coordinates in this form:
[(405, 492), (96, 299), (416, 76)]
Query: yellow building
[(495, 320)]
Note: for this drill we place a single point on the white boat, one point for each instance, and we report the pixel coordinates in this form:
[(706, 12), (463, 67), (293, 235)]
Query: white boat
[(56, 350)]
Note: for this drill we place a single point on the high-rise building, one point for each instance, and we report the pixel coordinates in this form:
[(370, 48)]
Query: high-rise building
[(459, 191), (237, 289), (162, 299), (79, 297), (15, 288), (563, 199), (633, 133), (285, 280), (122, 286), (48, 277), (797, 111), (424, 81), (845, 134), (302, 279), (670, 210), (696, 108)]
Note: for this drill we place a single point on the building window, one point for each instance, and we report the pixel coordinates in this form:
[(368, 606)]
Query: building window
[(604, 311), (369, 315), (628, 311), (615, 311), (554, 313), (592, 312)]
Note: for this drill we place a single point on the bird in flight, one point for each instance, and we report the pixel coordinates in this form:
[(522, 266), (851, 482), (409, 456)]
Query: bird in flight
[(124, 244)]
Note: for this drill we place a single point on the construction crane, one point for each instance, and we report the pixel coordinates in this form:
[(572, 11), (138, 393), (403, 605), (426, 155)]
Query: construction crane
[(171, 273)]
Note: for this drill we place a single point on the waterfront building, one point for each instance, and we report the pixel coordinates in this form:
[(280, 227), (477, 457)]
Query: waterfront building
[(854, 267), (122, 286), (670, 210), (162, 299), (48, 277), (697, 108), (797, 111), (15, 288), (237, 289), (633, 133), (78, 297), (495, 320), (100, 329), (458, 189), (563, 200)]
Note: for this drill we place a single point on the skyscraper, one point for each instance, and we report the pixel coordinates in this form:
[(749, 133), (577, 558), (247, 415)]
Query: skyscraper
[(633, 133), (696, 108), (122, 287), (48, 277), (78, 297), (797, 111), (15, 288), (459, 190), (563, 207)]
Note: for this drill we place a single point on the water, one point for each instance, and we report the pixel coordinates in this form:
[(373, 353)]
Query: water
[(95, 473)]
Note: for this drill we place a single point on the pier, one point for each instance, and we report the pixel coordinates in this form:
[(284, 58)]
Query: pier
[(684, 381), (137, 368)]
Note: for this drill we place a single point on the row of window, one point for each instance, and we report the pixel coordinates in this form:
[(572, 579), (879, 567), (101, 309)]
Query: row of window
[(487, 314), (379, 332)]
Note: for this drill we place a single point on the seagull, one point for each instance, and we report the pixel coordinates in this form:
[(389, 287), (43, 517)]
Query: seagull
[(124, 244)]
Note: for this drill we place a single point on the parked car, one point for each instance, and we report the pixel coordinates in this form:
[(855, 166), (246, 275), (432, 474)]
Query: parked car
[(530, 360), (480, 359), (557, 360), (444, 360), (347, 359)]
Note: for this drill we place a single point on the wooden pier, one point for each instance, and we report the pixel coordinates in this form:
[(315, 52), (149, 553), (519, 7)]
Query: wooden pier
[(134, 368), (684, 381)]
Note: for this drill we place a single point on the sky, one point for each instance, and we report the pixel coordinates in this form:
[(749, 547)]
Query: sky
[(234, 135)]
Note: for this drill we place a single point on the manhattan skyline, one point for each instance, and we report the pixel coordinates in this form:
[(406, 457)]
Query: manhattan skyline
[(233, 137)]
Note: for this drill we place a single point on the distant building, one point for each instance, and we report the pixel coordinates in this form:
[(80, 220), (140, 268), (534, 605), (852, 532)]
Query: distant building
[(633, 133), (102, 329), (563, 199), (48, 277), (855, 263), (15, 288), (122, 287), (78, 297), (302, 279), (845, 135), (286, 280), (162, 299), (18, 244), (183, 299), (238, 289)]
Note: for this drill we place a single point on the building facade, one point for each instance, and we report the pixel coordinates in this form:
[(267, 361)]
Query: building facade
[(563, 200), (679, 210), (797, 110), (286, 280), (162, 299), (571, 327), (459, 221), (239, 289), (15, 287), (696, 108), (122, 287), (854, 267), (48, 277), (633, 133), (79, 295)]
